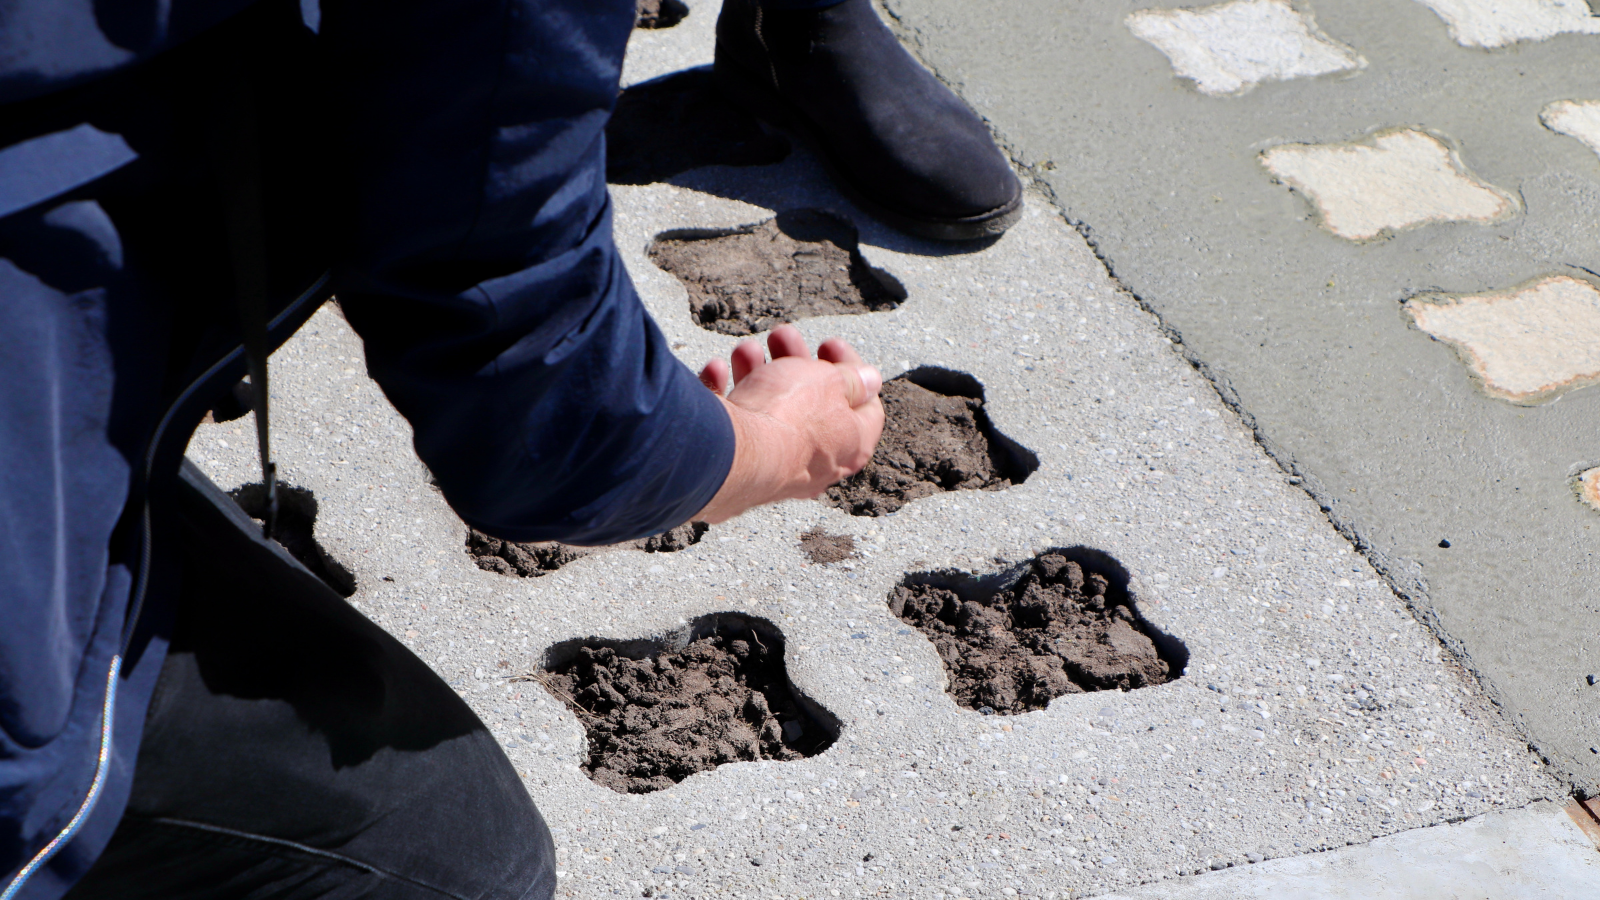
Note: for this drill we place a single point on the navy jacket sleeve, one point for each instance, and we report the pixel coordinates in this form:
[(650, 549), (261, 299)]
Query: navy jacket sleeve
[(482, 275)]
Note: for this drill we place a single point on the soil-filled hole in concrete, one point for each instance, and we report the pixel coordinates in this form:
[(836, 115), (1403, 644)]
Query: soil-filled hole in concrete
[(659, 710), (672, 124), (1063, 622), (296, 531), (799, 264), (936, 438), (531, 560)]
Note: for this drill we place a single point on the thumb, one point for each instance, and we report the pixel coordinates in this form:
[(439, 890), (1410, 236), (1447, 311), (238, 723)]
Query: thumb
[(861, 383)]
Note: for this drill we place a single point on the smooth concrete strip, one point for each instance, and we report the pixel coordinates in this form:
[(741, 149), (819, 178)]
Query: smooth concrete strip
[(1534, 852)]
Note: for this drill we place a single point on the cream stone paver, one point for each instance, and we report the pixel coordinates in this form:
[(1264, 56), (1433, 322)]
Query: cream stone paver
[(1497, 23), (1589, 487), (1575, 118), (1525, 345), (1231, 47), (1401, 179)]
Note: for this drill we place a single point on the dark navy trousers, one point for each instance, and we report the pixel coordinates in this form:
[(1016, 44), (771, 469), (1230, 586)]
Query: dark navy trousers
[(293, 749)]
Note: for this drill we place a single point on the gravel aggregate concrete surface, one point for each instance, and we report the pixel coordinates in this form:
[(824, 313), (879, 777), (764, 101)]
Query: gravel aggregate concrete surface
[(1314, 711)]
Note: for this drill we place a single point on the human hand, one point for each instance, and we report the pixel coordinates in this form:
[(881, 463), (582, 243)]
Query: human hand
[(800, 423)]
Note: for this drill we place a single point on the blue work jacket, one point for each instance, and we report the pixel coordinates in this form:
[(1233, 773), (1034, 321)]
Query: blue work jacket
[(439, 166)]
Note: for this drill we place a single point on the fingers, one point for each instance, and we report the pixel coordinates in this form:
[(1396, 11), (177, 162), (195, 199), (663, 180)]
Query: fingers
[(747, 357), (862, 382), (715, 377), (786, 340), (835, 350)]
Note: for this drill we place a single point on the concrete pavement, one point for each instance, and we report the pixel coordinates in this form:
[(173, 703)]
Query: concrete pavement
[(1315, 713), (1287, 289)]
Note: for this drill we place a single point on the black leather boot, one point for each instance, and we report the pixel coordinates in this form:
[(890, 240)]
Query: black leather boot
[(901, 142)]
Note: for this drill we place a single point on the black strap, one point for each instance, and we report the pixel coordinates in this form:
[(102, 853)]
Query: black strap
[(241, 181)]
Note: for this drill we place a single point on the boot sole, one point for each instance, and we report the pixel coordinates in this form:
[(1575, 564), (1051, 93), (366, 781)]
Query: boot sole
[(767, 104)]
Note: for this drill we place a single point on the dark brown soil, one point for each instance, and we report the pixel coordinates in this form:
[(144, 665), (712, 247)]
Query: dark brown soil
[(297, 518), (1058, 630), (535, 559), (803, 263), (660, 13), (679, 122), (932, 442), (655, 720), (823, 548)]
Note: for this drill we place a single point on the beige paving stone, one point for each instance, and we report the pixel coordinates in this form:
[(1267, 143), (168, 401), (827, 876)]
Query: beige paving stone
[(1497, 23), (1231, 47), (1575, 118), (1526, 345), (1400, 179), (1589, 487)]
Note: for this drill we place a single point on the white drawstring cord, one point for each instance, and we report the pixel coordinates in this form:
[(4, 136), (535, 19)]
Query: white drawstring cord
[(100, 769)]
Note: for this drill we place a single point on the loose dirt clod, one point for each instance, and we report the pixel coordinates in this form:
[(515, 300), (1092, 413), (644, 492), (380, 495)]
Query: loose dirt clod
[(669, 125), (823, 548), (654, 721), (931, 443), (1058, 630), (803, 263), (532, 560), (296, 531), (660, 13)]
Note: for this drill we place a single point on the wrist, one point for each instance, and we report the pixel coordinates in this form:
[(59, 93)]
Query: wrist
[(760, 472)]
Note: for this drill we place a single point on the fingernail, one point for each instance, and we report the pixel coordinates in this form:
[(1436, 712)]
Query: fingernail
[(871, 379)]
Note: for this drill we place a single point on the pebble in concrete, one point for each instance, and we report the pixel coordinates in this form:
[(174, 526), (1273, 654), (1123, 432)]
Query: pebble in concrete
[(1497, 23), (1589, 491), (1231, 47), (1575, 118), (1400, 179), (1525, 345)]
